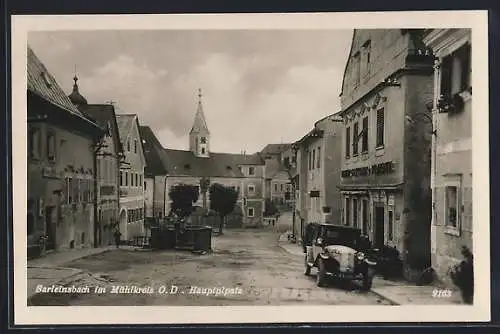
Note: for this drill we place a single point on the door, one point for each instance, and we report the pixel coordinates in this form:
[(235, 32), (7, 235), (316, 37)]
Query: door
[(365, 217), (50, 229), (379, 226)]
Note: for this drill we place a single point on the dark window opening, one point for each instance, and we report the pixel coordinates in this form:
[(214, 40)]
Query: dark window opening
[(355, 139), (51, 146), (348, 142), (380, 127), (364, 138)]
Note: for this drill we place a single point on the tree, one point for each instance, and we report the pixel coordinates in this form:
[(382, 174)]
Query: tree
[(204, 184), (183, 197), (222, 200)]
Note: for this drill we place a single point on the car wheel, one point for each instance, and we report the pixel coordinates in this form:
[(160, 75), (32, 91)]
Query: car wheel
[(321, 275), (367, 281), (308, 267)]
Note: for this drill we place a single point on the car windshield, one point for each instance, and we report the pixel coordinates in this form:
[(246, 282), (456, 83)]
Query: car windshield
[(338, 237)]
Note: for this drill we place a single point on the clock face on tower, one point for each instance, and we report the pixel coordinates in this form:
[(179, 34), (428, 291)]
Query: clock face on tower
[(203, 140)]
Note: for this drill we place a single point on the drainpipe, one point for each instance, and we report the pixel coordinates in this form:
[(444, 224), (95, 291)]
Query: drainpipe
[(436, 96)]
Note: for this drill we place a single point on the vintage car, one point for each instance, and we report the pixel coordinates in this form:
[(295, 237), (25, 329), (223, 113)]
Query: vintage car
[(338, 252)]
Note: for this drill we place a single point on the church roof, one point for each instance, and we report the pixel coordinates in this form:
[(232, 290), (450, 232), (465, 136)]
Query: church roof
[(200, 123), (185, 163), (43, 84)]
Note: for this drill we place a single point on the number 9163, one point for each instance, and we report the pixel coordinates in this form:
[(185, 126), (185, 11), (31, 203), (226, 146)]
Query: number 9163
[(441, 293)]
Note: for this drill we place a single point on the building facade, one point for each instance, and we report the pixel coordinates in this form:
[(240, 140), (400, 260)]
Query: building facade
[(318, 156), (452, 154), (109, 156), (60, 180), (386, 92), (132, 167)]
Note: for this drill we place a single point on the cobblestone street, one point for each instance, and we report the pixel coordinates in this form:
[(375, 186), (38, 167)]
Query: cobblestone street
[(249, 264)]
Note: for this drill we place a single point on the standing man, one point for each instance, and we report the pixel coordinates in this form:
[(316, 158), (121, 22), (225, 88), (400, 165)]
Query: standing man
[(117, 236)]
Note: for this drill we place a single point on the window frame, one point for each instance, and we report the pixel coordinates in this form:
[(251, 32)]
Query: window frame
[(355, 139), (454, 181), (364, 138), (380, 129), (348, 142), (251, 170), (250, 209), (51, 138), (251, 186)]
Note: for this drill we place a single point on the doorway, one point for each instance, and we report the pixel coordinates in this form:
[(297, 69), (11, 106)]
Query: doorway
[(379, 232), (50, 229)]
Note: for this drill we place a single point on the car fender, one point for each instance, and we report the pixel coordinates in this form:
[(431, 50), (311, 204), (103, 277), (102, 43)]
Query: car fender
[(322, 256)]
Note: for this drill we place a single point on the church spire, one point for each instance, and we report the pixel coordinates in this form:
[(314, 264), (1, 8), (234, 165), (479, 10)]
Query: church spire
[(199, 136), (200, 124)]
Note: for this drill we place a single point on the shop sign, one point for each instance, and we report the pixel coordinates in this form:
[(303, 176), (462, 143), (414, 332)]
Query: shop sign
[(377, 169)]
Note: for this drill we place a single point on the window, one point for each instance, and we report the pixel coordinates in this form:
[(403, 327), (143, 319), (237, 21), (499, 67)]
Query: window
[(313, 158), (455, 71), (451, 206), (367, 57), (281, 187), (135, 145), (136, 180), (34, 144), (126, 179), (140, 179), (251, 170), (68, 187), (51, 146), (380, 127), (276, 187), (356, 64), (347, 142), (121, 178), (145, 188), (202, 150), (128, 145), (318, 158), (309, 160), (251, 188), (251, 212), (203, 140), (355, 139), (364, 138), (390, 224), (347, 211), (355, 212)]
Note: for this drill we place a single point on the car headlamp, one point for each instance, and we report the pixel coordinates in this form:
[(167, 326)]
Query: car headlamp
[(360, 256)]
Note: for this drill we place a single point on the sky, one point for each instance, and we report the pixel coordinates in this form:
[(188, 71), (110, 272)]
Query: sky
[(259, 86)]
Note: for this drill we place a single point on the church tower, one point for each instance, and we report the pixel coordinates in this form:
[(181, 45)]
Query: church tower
[(199, 136)]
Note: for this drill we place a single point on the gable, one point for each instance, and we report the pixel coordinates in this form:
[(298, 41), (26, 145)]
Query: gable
[(134, 135)]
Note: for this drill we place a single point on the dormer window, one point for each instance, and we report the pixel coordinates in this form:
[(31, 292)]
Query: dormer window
[(187, 166), (46, 79)]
